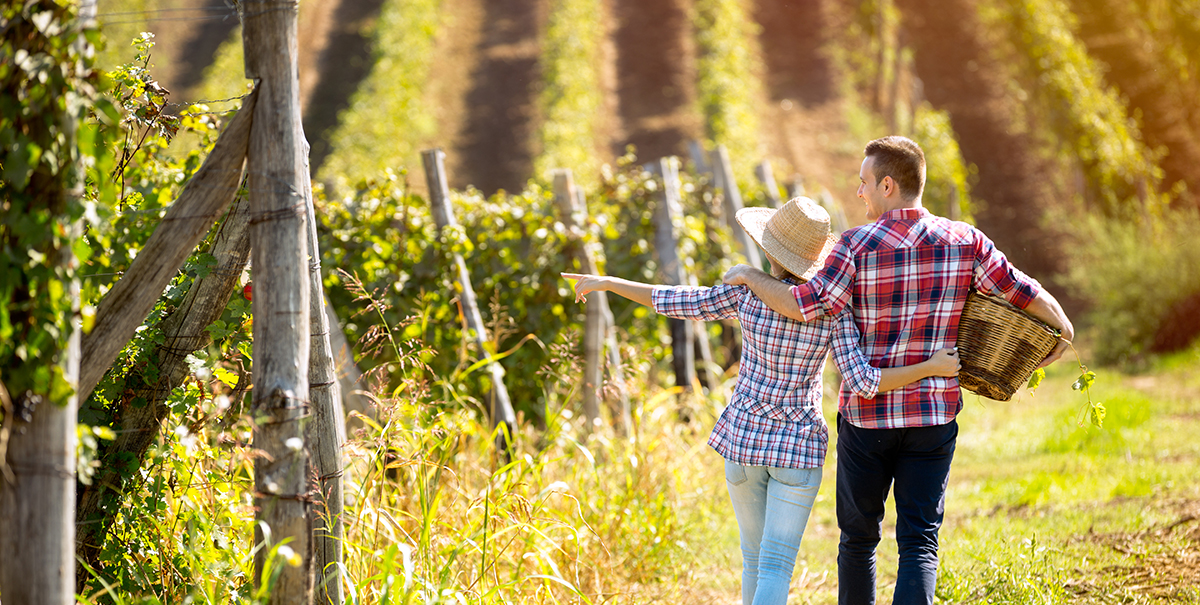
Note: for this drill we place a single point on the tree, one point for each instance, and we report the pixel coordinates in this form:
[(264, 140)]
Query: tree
[(49, 88)]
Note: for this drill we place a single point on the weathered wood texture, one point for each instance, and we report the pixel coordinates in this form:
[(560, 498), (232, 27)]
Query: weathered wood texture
[(37, 482), (279, 257), (500, 410), (204, 199), (183, 333), (765, 174), (326, 433), (37, 520), (599, 330), (666, 216)]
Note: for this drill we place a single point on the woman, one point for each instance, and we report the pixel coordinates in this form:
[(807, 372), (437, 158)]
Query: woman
[(772, 433)]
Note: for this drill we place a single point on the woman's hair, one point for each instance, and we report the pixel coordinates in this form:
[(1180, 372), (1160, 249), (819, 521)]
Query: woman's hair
[(902, 159)]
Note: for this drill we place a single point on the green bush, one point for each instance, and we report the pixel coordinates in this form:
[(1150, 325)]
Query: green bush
[(1132, 275), (515, 246), (1087, 116)]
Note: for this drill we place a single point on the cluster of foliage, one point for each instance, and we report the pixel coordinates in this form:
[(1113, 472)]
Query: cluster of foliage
[(729, 79), (1120, 190), (50, 89), (1136, 285), (948, 177), (571, 94), (389, 118), (145, 553), (515, 246), (431, 515), (1086, 114)]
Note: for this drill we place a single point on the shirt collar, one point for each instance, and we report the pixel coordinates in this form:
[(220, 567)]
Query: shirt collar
[(902, 214)]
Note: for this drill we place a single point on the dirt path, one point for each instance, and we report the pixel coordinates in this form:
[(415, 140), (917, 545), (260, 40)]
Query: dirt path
[(335, 56), (655, 78), (807, 133), (495, 137)]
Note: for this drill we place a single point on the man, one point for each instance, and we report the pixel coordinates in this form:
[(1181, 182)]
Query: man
[(906, 277)]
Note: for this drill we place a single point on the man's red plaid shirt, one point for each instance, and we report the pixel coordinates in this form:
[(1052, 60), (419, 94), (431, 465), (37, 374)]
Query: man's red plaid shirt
[(906, 278)]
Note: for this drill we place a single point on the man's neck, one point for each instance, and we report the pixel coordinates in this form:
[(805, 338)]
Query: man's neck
[(902, 205)]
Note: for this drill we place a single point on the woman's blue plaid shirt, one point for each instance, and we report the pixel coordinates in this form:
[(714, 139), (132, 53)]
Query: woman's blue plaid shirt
[(774, 414)]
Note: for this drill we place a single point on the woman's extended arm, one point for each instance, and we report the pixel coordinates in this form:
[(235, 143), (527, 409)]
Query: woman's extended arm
[(868, 381), (943, 363), (635, 291)]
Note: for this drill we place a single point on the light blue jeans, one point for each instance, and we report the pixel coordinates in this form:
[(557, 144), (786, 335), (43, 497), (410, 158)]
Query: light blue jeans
[(772, 507)]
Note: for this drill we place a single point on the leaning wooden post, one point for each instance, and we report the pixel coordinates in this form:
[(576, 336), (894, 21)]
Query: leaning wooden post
[(837, 215), (599, 331), (723, 171), (666, 244), (699, 158), (326, 434), (188, 220), (279, 255), (767, 176), (500, 408)]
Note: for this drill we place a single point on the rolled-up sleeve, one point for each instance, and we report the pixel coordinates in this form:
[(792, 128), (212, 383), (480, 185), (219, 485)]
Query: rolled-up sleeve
[(857, 373), (830, 290), (693, 302), (995, 275)]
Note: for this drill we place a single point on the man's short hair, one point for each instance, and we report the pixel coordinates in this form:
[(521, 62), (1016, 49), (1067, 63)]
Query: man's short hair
[(902, 159)]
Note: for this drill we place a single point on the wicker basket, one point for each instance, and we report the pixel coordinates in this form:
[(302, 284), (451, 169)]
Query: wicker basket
[(999, 346)]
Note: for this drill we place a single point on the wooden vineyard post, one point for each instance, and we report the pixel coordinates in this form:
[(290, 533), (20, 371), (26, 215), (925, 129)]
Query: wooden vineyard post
[(599, 331), (279, 255), (796, 187), (667, 213), (326, 433), (837, 216), (767, 176), (500, 408), (699, 158), (723, 172)]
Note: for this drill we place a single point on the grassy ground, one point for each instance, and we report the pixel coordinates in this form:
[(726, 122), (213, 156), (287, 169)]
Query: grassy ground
[(1040, 510)]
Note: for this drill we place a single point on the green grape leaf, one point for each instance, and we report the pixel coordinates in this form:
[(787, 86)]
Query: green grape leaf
[(1084, 381), (1097, 414), (1035, 380)]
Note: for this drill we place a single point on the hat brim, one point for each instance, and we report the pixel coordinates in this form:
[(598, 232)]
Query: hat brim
[(754, 221)]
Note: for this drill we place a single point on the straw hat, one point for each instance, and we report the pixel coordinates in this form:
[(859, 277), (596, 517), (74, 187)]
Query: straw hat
[(797, 235)]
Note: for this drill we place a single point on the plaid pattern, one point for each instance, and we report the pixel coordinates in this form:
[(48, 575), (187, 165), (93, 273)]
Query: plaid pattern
[(906, 277), (774, 414)]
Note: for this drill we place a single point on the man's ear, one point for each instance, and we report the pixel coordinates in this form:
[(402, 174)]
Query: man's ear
[(889, 185)]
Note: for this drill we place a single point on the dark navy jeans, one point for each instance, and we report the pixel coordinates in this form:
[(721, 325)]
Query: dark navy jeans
[(869, 462)]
